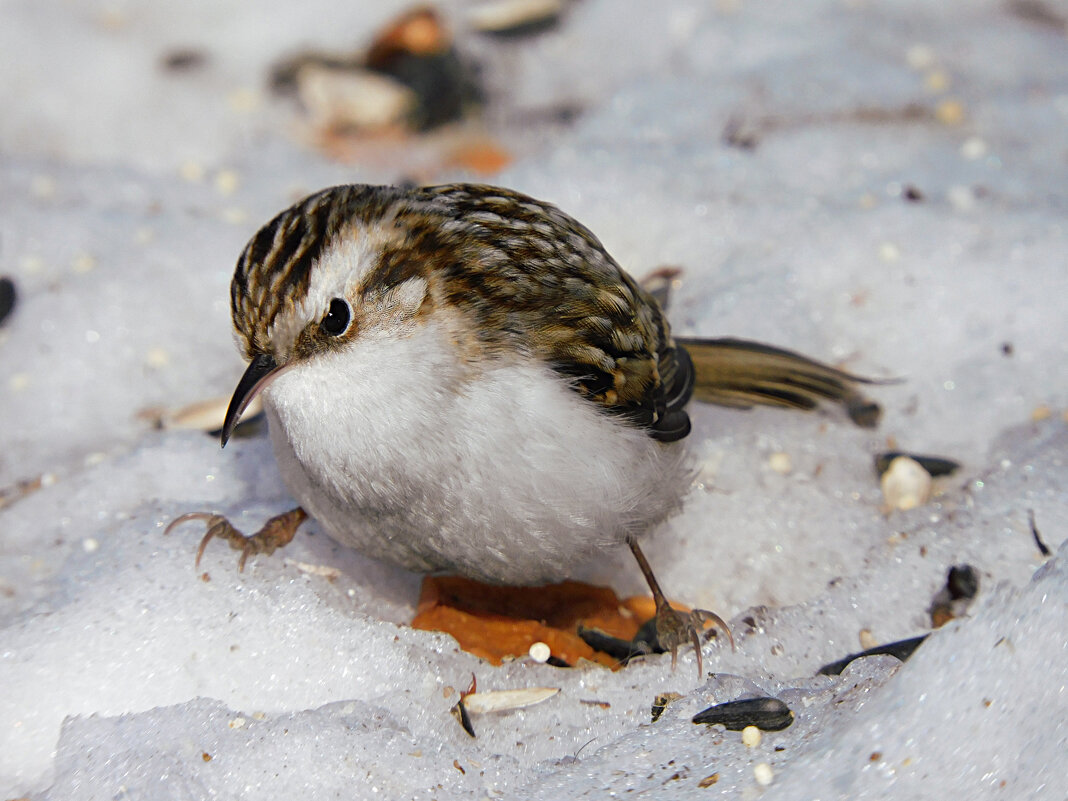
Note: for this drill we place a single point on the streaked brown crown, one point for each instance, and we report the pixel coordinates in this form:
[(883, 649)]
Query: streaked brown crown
[(526, 278)]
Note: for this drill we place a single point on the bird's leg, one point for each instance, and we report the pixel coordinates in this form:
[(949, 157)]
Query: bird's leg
[(276, 532), (675, 628)]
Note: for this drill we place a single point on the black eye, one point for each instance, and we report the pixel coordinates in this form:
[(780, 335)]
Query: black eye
[(336, 321)]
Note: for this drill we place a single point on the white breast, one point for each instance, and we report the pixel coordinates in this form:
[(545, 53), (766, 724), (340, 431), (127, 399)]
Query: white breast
[(505, 475)]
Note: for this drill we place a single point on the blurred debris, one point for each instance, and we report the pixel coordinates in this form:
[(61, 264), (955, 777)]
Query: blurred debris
[(8, 296), (514, 18), (1042, 547), (183, 59), (418, 51), (660, 282), (935, 465), (661, 702), (357, 100), (1038, 13), (953, 600), (902, 649), (741, 133), (411, 77), (767, 714), (479, 155), (24, 488), (912, 194)]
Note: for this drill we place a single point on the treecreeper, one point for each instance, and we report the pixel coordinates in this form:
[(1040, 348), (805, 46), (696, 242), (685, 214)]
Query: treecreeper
[(460, 378)]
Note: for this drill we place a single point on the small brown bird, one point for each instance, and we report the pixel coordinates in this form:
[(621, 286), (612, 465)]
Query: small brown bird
[(459, 378)]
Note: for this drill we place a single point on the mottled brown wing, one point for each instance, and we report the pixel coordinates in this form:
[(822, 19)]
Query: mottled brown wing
[(536, 280)]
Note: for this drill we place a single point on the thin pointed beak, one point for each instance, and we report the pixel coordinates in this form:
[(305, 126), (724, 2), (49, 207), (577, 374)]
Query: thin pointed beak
[(259, 373)]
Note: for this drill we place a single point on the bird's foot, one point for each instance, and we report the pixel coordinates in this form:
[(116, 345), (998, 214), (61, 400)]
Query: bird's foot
[(674, 628), (276, 532)]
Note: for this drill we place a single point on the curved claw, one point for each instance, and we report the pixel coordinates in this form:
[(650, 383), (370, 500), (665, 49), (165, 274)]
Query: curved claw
[(698, 618), (186, 518), (675, 628), (276, 532)]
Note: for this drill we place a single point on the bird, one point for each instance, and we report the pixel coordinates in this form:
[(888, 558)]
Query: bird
[(461, 379)]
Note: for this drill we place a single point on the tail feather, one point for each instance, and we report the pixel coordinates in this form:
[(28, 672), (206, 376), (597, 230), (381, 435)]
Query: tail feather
[(742, 374)]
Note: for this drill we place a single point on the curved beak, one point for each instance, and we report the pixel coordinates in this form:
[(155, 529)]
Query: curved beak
[(259, 373)]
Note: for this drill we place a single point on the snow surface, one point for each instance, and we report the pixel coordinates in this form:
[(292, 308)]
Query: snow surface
[(124, 675)]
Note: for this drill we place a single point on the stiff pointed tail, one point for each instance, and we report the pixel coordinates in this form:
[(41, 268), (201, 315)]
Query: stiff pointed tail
[(742, 374)]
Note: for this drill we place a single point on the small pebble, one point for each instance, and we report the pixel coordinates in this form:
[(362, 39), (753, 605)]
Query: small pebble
[(43, 187), (83, 263), (920, 57), (89, 545), (936, 81), (961, 198), (751, 736), (780, 463), (31, 264), (889, 252), (1040, 413), (191, 171), (244, 100), (906, 484), (973, 148), (540, 652), (867, 639), (234, 216), (226, 182), (950, 112), (157, 357), (763, 773)]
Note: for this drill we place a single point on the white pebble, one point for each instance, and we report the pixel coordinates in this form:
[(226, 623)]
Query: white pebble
[(962, 198), (191, 171), (889, 252), (89, 545), (906, 484), (540, 652), (750, 736), (83, 263), (780, 463), (920, 57), (867, 639), (973, 148), (226, 182), (43, 187), (763, 773), (157, 357)]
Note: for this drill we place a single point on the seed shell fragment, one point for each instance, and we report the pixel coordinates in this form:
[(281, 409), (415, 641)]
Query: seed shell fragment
[(902, 649), (768, 714), (507, 700)]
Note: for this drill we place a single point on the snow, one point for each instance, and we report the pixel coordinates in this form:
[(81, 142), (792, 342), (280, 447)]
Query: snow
[(128, 192)]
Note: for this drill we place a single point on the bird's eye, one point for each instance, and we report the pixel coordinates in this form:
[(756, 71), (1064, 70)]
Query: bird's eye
[(336, 321)]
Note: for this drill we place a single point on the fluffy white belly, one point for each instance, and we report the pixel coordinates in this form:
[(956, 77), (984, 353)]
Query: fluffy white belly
[(505, 475)]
